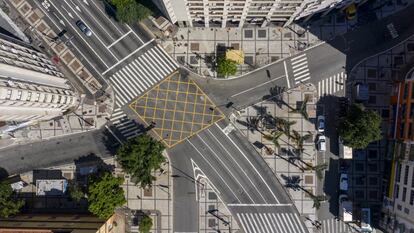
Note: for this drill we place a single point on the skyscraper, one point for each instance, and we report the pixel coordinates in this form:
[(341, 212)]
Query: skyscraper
[(239, 13), (31, 86)]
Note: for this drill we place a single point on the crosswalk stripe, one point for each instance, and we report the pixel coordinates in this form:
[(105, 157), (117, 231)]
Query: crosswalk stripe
[(137, 81), (295, 223), (302, 229), (262, 221), (300, 68), (164, 66), (123, 82), (252, 222), (302, 71), (242, 220), (118, 93), (304, 63), (258, 222), (301, 76), (269, 226), (289, 224), (297, 57), (141, 79), (167, 55), (149, 74), (274, 224), (157, 73), (145, 77), (128, 83), (299, 60), (170, 66)]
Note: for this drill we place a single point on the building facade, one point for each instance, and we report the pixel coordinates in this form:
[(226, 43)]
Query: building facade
[(398, 208), (31, 86), (240, 13)]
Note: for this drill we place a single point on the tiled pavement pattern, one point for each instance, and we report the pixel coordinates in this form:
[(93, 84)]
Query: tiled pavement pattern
[(213, 212), (156, 201), (177, 109), (141, 74), (195, 47), (367, 167), (281, 164)]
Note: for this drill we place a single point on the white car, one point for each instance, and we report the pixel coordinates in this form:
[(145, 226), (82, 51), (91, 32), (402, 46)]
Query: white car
[(321, 143), (321, 124), (343, 182)]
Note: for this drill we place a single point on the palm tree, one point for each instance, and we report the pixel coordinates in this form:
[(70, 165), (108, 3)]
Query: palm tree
[(303, 108), (319, 170), (299, 139), (283, 125), (317, 200), (274, 137), (253, 123)]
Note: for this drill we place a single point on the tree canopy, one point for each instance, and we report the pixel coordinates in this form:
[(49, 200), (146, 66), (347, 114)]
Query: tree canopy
[(130, 11), (145, 224), (8, 205), (140, 157), (226, 67), (105, 194), (360, 127)]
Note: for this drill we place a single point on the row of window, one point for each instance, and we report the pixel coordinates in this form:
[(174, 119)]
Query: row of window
[(59, 98), (406, 175), (404, 195)]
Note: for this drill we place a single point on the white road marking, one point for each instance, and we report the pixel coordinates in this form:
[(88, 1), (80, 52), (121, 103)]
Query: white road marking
[(251, 164), (139, 38), (212, 167), (297, 57), (258, 205), (77, 32), (238, 165), (129, 55), (247, 90), (228, 169), (120, 38), (286, 74)]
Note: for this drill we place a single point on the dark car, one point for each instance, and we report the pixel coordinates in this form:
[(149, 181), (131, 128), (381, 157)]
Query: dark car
[(81, 25)]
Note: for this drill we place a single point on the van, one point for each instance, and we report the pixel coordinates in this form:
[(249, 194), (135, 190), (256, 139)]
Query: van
[(345, 208), (321, 144)]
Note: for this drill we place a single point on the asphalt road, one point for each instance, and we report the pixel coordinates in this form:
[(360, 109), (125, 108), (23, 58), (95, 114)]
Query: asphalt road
[(239, 176), (60, 150), (111, 44), (340, 54)]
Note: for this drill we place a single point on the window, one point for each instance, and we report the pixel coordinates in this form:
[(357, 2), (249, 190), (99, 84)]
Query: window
[(29, 95), (412, 179), (398, 176), (37, 97), (9, 93), (19, 95), (404, 194), (397, 191), (407, 169), (45, 98), (412, 197)]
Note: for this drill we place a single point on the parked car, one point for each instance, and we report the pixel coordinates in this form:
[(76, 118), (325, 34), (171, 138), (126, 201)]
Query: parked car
[(81, 25), (321, 143), (321, 124), (343, 182), (345, 208)]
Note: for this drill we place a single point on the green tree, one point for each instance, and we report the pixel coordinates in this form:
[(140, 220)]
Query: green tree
[(105, 194), (360, 127), (299, 140), (226, 67), (75, 191), (145, 224), (302, 108), (8, 204), (140, 157), (130, 11), (274, 137)]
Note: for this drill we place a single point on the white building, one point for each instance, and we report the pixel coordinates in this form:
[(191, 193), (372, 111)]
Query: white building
[(239, 13), (31, 87)]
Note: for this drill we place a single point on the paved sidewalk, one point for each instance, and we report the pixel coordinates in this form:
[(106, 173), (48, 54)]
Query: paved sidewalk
[(196, 48), (284, 163)]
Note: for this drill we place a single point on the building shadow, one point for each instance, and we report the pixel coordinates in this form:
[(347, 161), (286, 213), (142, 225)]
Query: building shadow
[(3, 174)]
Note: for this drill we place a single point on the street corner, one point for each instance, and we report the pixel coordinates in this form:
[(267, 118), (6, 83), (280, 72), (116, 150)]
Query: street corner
[(176, 109)]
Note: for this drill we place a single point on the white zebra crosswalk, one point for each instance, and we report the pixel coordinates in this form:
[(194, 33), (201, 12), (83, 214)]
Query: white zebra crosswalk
[(332, 85), (336, 226), (300, 68), (270, 223), (127, 128), (141, 74)]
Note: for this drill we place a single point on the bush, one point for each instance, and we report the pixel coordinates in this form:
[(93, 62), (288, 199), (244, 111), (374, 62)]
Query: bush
[(105, 194), (145, 224), (140, 157), (130, 11), (226, 67), (8, 205), (360, 127)]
